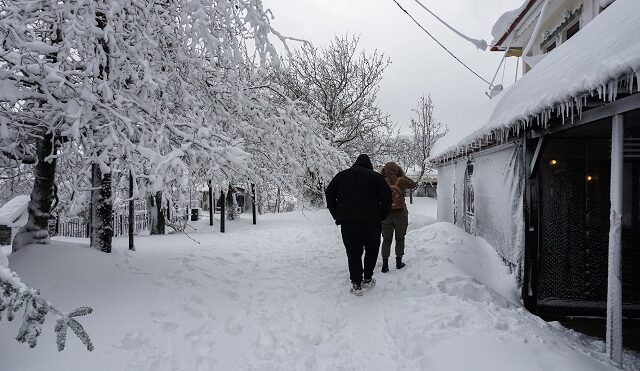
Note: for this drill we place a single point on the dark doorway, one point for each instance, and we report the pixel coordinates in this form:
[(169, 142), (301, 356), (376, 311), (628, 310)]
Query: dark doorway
[(574, 204)]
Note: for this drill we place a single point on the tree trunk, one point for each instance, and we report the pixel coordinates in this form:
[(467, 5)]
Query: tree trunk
[(101, 210), (156, 218), (253, 202), (42, 196)]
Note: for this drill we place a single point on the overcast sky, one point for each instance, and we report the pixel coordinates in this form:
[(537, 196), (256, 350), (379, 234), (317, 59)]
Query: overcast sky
[(419, 66)]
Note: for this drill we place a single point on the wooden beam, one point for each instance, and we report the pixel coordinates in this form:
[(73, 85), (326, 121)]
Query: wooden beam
[(536, 157)]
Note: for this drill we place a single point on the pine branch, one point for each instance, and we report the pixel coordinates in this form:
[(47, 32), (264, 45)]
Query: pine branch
[(14, 295)]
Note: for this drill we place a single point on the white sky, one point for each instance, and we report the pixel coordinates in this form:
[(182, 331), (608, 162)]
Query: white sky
[(419, 66)]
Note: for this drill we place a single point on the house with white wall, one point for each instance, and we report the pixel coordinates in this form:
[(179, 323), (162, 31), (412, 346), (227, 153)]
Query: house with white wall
[(548, 170)]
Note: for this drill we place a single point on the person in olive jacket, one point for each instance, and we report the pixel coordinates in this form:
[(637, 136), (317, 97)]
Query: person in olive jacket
[(398, 219), (359, 199)]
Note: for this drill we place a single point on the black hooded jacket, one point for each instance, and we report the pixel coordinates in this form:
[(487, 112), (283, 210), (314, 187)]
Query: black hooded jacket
[(359, 195)]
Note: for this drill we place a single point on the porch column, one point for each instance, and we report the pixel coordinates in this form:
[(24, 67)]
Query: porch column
[(614, 291)]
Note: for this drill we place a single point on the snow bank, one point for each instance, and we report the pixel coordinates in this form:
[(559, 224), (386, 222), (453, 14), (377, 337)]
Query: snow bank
[(592, 61), (12, 210)]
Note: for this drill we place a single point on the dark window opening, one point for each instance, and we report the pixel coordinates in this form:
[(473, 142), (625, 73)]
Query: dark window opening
[(573, 30), (550, 47)]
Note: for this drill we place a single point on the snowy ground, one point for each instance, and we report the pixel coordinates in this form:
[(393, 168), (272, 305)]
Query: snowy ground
[(275, 297)]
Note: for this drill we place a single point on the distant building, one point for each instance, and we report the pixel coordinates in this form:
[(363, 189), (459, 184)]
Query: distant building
[(531, 170), (427, 184)]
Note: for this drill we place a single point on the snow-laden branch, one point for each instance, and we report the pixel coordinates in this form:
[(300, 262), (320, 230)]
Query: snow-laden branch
[(16, 296)]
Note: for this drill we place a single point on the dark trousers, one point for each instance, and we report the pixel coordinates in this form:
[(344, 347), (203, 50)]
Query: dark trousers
[(356, 238)]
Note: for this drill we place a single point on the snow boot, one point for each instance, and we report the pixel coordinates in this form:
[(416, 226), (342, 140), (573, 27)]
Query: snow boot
[(356, 289), (399, 263), (385, 265), (368, 284)]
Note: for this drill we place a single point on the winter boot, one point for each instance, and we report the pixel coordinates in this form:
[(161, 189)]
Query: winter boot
[(399, 263), (356, 289), (368, 284), (385, 265)]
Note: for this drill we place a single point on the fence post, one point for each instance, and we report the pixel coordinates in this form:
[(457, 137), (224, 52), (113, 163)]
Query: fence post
[(222, 212), (211, 205)]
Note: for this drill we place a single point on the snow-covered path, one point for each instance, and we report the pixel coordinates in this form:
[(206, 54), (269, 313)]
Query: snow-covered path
[(275, 297)]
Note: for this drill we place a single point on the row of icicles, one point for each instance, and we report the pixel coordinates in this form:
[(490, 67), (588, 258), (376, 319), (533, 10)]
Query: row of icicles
[(568, 109)]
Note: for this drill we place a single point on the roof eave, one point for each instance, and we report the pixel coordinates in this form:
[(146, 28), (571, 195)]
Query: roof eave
[(514, 24)]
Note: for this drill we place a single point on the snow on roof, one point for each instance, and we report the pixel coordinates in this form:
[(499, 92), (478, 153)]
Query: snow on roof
[(604, 51), (11, 212), (508, 21)]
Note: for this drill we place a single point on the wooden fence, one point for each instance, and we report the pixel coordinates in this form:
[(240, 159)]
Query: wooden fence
[(79, 227)]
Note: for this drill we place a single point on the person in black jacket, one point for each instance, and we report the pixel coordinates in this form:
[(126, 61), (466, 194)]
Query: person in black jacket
[(359, 199)]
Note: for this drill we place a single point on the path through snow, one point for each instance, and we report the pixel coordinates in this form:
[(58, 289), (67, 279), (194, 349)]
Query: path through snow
[(275, 297)]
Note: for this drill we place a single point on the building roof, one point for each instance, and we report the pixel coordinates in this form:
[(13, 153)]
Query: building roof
[(605, 51), (12, 211), (507, 23)]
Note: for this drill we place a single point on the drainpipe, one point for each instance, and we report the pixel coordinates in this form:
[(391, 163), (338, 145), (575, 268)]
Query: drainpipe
[(614, 290)]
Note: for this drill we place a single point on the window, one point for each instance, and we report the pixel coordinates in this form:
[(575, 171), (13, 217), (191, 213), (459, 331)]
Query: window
[(572, 30), (550, 47)]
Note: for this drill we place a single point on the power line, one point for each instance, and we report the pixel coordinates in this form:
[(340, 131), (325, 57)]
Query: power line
[(441, 45), (480, 44)]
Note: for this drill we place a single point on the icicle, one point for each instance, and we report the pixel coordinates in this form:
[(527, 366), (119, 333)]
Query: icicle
[(638, 80)]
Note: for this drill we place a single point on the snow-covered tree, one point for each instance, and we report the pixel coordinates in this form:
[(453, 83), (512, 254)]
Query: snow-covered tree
[(340, 83), (143, 87), (426, 131)]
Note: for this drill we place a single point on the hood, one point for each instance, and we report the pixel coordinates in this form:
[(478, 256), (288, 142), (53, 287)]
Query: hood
[(392, 168), (364, 161)]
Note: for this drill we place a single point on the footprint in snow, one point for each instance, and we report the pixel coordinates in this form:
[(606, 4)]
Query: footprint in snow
[(454, 241), (233, 327), (197, 300), (158, 314), (168, 326), (132, 340), (265, 346), (469, 289)]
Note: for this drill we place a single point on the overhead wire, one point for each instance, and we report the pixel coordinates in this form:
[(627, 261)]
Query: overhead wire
[(441, 45), (480, 44)]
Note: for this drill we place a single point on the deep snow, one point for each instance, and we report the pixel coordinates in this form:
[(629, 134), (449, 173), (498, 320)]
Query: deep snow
[(275, 297)]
